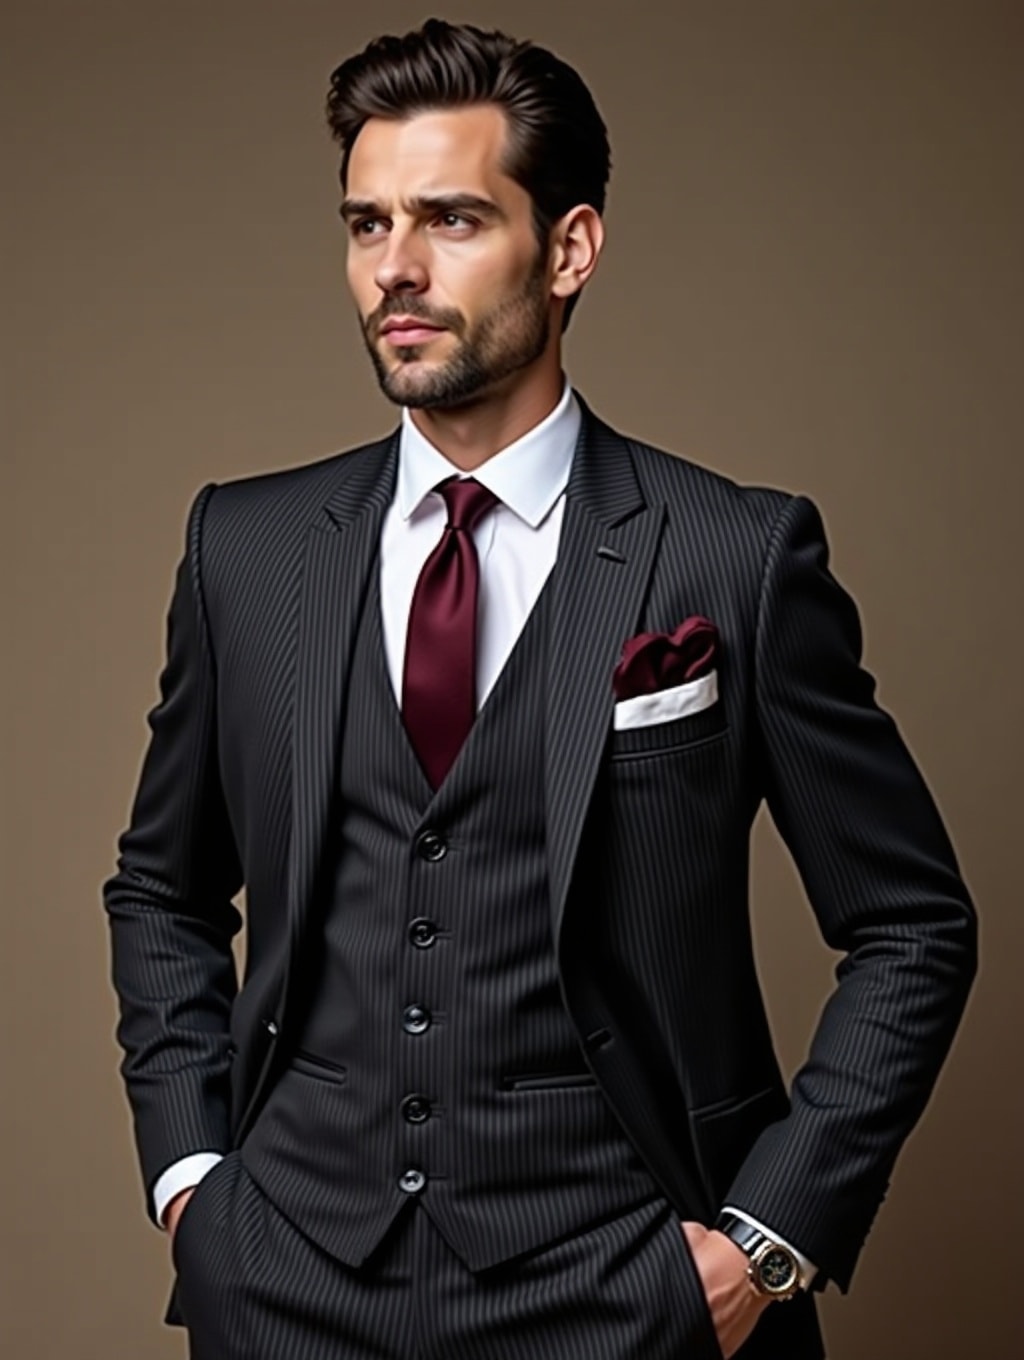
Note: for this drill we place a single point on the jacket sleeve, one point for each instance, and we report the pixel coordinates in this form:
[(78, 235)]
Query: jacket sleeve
[(169, 904), (882, 879)]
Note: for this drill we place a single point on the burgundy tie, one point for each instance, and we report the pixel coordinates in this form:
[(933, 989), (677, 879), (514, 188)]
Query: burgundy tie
[(439, 683)]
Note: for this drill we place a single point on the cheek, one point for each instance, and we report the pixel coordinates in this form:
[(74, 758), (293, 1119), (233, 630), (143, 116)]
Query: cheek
[(529, 265), (479, 279), (359, 274)]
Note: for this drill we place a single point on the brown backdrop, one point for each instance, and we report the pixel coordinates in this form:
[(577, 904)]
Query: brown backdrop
[(814, 279)]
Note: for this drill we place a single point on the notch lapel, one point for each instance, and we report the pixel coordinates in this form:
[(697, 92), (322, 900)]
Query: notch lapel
[(341, 551), (610, 537)]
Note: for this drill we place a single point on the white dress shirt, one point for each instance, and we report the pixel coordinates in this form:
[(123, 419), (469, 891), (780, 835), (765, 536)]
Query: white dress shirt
[(516, 544)]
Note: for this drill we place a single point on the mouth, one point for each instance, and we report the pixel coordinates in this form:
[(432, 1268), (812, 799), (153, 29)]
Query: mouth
[(409, 330)]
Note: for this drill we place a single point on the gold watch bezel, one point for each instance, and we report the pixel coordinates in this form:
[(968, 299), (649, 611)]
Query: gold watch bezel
[(785, 1291)]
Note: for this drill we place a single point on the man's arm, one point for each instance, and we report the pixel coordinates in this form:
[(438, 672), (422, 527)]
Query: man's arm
[(170, 910), (883, 881)]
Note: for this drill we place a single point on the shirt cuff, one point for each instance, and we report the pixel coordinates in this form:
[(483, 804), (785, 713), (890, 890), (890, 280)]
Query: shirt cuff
[(181, 1175), (808, 1269)]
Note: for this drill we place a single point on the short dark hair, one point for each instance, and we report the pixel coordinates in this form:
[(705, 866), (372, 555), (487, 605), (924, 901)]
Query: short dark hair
[(558, 144)]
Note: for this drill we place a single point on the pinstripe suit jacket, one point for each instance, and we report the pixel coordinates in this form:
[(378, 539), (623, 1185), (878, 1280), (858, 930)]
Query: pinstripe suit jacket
[(648, 832)]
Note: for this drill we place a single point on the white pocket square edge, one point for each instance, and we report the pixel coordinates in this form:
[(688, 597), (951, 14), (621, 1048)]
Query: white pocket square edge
[(680, 701)]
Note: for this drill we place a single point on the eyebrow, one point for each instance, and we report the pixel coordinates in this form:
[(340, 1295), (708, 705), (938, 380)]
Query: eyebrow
[(423, 204)]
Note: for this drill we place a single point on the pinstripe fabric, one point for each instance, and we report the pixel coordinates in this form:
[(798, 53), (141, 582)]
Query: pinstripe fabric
[(259, 592), (624, 1290), (519, 1146), (647, 834)]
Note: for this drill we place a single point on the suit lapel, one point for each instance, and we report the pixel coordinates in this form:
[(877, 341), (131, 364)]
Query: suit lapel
[(341, 551), (608, 545)]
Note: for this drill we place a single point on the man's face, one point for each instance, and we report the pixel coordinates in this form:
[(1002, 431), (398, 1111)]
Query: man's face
[(443, 260)]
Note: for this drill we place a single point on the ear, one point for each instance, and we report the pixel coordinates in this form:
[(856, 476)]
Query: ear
[(576, 242)]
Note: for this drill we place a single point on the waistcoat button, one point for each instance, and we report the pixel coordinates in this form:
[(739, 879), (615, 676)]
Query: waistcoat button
[(415, 1109), (416, 1019), (412, 1180), (422, 932), (431, 846)]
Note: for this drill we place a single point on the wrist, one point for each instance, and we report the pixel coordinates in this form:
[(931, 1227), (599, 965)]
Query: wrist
[(773, 1269), (184, 1174), (175, 1209)]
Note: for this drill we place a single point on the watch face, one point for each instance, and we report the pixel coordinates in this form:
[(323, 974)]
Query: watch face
[(778, 1270)]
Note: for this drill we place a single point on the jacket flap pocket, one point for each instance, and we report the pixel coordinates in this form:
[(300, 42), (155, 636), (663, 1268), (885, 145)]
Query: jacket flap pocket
[(724, 1133)]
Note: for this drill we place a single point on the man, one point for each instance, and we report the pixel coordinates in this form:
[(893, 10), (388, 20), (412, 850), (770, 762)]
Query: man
[(480, 715)]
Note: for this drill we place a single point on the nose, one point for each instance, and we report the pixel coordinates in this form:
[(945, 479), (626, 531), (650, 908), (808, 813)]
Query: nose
[(401, 268)]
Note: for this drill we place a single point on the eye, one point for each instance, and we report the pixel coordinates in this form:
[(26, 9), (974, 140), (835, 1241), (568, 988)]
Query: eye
[(455, 221), (367, 227)]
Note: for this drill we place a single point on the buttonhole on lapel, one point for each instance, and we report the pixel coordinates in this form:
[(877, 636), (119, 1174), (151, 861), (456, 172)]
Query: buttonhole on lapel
[(610, 553), (598, 1039)]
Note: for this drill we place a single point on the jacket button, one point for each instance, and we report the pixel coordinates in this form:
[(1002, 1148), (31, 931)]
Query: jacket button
[(416, 1019), (422, 932), (431, 846), (415, 1109), (270, 1027), (412, 1180)]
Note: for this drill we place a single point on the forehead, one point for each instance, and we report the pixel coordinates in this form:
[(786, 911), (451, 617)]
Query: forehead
[(435, 151)]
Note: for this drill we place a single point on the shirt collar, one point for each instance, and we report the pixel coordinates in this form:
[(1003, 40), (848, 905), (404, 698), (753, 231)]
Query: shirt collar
[(528, 475)]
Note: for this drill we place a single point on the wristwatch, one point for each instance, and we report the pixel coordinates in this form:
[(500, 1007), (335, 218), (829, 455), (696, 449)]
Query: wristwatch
[(774, 1272)]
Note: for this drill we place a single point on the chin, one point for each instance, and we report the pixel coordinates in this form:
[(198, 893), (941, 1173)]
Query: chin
[(408, 389)]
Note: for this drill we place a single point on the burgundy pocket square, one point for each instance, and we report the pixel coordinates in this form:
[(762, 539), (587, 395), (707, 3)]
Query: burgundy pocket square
[(656, 661)]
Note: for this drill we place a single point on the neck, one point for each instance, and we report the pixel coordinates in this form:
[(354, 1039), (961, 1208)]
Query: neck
[(469, 435)]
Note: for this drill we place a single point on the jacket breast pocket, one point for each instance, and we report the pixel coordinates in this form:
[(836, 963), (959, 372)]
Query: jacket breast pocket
[(637, 743)]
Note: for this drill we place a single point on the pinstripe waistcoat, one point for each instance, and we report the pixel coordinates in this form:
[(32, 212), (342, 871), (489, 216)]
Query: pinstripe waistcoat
[(436, 1040)]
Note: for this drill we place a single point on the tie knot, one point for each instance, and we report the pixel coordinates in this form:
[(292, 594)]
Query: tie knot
[(467, 502)]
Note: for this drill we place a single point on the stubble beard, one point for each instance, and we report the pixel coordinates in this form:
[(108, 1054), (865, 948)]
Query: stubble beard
[(510, 337)]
